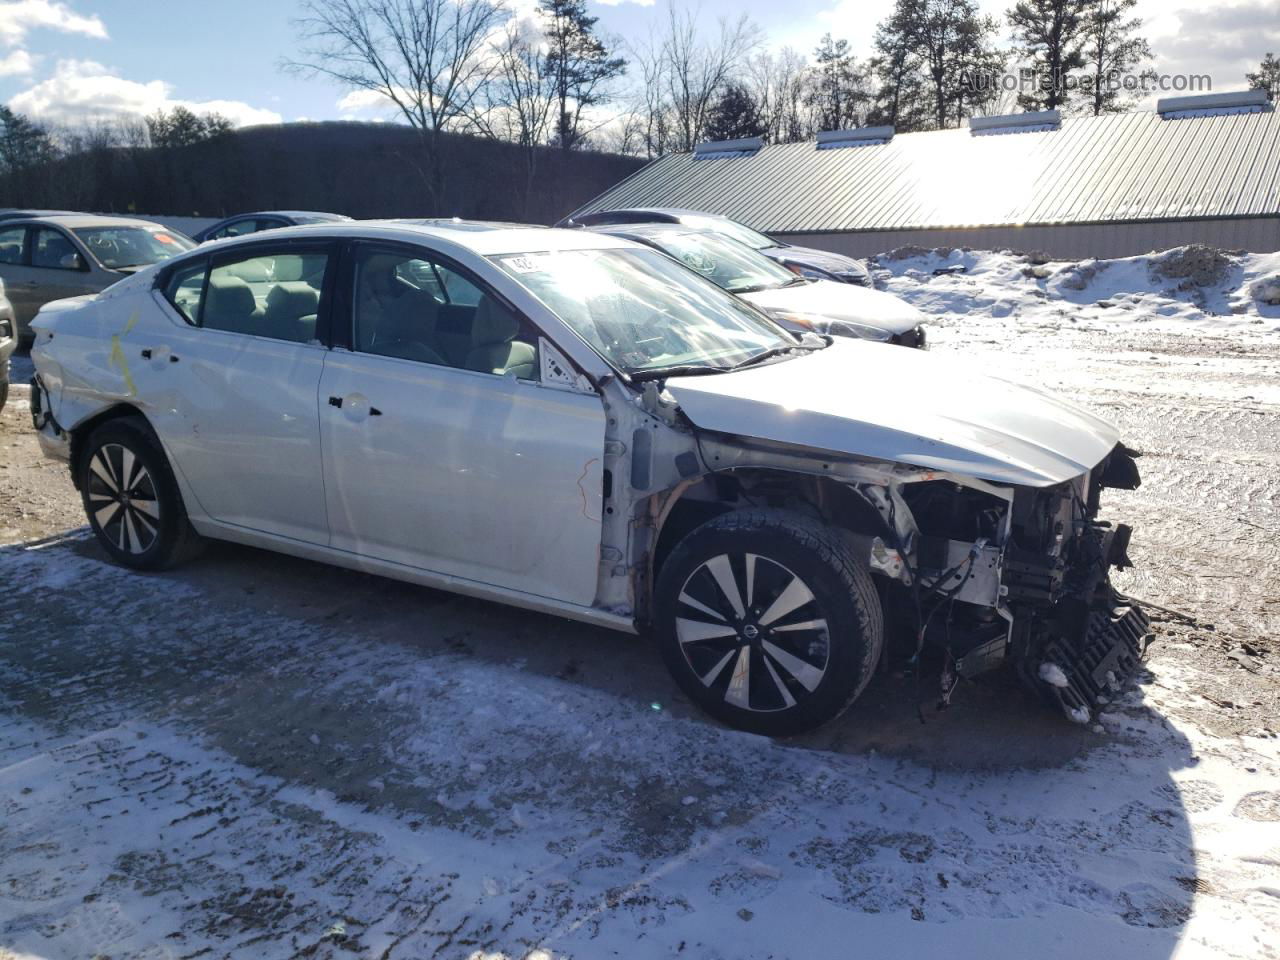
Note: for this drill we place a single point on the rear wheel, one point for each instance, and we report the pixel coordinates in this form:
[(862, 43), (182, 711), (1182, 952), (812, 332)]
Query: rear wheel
[(767, 621), (131, 498)]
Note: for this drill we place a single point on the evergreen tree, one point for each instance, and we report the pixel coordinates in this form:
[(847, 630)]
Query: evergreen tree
[(950, 38), (1049, 35), (900, 99), (1113, 51), (735, 114), (839, 88), (23, 144), (1267, 78), (579, 64)]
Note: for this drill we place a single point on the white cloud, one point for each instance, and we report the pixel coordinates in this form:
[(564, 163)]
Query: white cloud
[(82, 89), (358, 101), (17, 17), (18, 62), (618, 3), (1225, 40)]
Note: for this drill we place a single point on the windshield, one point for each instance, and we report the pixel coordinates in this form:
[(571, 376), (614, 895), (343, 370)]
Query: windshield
[(120, 247), (728, 228), (724, 262), (643, 311)]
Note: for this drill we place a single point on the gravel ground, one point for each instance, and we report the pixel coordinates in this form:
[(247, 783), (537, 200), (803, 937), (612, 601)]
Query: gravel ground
[(255, 756)]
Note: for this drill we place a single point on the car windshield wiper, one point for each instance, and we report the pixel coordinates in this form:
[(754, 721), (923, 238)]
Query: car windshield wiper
[(798, 279), (774, 352), (679, 370)]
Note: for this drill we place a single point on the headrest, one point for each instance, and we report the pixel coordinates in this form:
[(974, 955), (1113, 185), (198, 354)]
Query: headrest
[(494, 323), (294, 299), (252, 271), (230, 297)]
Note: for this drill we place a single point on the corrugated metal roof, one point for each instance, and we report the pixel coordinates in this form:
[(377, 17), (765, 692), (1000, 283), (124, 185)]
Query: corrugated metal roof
[(1132, 166)]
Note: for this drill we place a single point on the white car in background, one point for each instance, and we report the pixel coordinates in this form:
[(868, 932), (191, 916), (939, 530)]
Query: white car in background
[(578, 425), (799, 303)]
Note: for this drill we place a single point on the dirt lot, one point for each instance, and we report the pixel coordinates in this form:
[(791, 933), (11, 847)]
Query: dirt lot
[(260, 757)]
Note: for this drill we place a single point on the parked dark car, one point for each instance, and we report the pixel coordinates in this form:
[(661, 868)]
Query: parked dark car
[(243, 223), (51, 258), (806, 261)]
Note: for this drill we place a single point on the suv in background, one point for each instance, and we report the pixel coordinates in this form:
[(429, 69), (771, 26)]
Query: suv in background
[(805, 261)]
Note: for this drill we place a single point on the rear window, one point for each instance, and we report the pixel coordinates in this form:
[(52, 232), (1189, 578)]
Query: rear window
[(119, 248)]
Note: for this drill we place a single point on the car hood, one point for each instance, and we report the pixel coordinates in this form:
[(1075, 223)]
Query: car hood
[(841, 301), (881, 402), (821, 259)]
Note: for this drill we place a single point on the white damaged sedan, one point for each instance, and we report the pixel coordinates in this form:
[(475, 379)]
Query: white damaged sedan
[(573, 423)]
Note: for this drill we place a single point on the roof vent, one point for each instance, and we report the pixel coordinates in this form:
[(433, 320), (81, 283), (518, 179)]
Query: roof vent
[(717, 149), (861, 137), (1213, 104), (1031, 122)]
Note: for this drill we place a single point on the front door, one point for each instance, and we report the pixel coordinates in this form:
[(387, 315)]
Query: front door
[(232, 390), (442, 450)]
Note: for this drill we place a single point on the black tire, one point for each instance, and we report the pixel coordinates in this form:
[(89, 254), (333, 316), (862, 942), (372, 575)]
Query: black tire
[(4, 391), (796, 657), (146, 528)]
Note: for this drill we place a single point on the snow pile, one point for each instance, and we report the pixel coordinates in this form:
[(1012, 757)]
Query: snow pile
[(1053, 675), (1187, 287)]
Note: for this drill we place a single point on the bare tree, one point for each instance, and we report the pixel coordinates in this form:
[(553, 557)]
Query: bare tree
[(520, 99), (779, 83), (695, 69), (430, 59)]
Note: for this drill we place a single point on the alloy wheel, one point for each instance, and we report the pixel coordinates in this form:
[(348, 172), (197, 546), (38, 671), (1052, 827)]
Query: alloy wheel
[(753, 632), (122, 498)]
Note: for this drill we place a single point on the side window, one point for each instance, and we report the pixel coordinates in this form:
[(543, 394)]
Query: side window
[(11, 240), (185, 287), (410, 307), (237, 229), (273, 295), (51, 249)]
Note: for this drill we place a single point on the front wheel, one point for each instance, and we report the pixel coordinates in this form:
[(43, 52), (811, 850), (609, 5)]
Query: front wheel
[(131, 497), (767, 621)]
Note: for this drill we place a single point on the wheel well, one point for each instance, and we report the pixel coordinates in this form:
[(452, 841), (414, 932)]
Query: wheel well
[(822, 497), (83, 429)]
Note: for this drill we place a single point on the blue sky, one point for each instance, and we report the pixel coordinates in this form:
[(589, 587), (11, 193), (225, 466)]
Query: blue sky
[(64, 59)]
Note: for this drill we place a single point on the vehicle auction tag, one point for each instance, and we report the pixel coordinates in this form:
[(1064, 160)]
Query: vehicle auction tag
[(524, 264)]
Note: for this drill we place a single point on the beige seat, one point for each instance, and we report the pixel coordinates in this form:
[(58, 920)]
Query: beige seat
[(291, 312), (494, 348), (392, 318), (230, 305)]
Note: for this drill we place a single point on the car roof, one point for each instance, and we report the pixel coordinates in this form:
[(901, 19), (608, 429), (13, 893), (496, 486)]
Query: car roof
[(485, 243), (337, 217), (656, 229), (74, 221), (457, 223), (19, 213)]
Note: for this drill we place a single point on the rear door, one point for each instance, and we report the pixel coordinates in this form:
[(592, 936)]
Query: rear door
[(232, 386), (15, 273), (442, 449)]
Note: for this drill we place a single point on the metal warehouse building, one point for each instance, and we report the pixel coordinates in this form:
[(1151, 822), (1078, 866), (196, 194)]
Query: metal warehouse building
[(1200, 169)]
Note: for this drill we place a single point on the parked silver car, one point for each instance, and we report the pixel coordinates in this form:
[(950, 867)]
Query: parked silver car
[(801, 304), (8, 341), (49, 258), (576, 424), (806, 261)]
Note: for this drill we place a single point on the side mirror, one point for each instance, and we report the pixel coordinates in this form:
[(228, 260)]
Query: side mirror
[(72, 261)]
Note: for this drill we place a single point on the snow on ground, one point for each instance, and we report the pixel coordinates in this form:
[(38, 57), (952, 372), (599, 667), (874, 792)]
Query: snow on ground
[(1185, 288), (259, 757), (215, 782)]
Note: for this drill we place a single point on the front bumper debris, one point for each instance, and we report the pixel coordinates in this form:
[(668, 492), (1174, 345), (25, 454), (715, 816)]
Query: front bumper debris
[(1092, 670)]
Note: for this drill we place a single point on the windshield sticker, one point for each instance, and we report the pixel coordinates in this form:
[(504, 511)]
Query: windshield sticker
[(163, 238), (528, 263)]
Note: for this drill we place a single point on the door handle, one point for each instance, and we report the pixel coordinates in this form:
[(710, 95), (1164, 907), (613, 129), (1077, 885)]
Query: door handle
[(146, 353), (335, 402)]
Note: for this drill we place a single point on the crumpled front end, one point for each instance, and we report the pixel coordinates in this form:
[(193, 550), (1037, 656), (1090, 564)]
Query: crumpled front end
[(1073, 637)]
